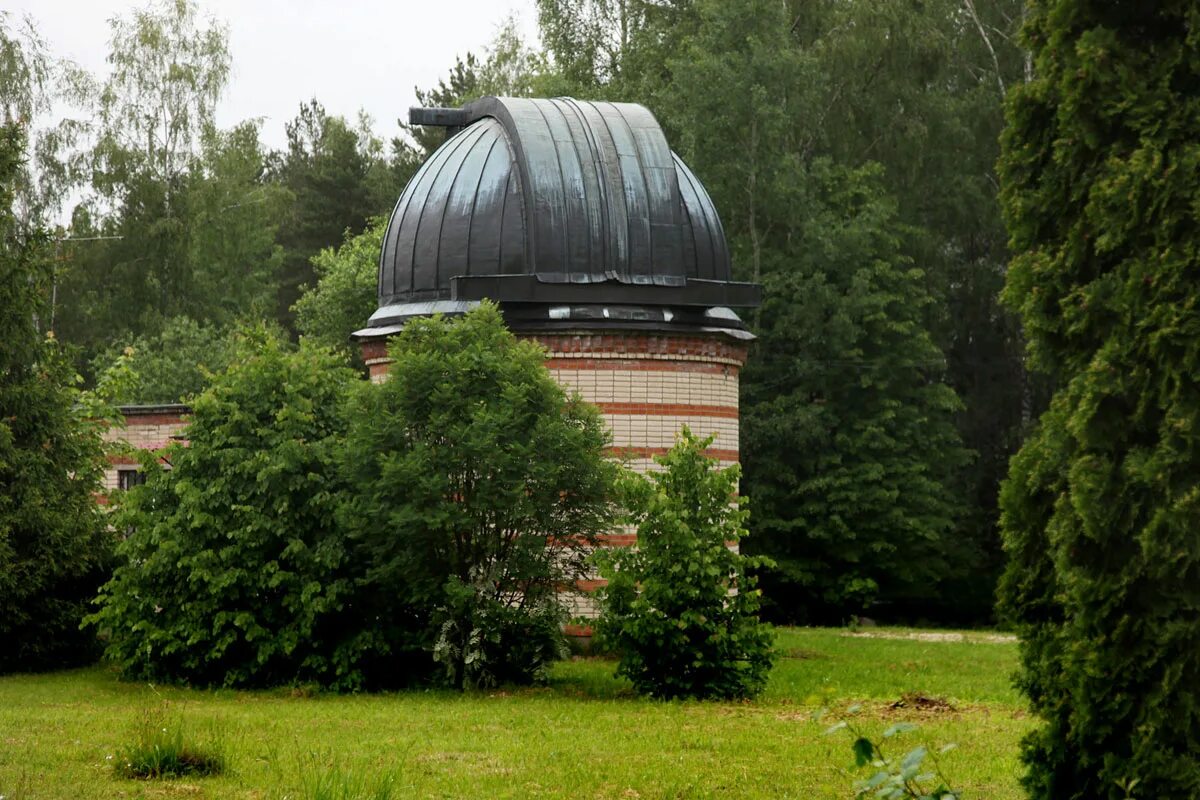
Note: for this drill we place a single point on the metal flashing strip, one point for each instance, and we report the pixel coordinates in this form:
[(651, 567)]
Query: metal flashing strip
[(388, 316), (534, 289)]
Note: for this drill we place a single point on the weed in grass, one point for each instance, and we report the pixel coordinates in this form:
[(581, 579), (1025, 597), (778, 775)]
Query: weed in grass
[(921, 702), (802, 654), (15, 789), (916, 775), (320, 782), (162, 749)]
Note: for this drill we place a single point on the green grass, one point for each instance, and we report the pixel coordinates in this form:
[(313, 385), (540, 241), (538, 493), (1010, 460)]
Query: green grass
[(583, 736)]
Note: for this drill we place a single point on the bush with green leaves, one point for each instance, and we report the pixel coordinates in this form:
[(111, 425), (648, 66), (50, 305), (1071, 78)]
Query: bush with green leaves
[(234, 571), (54, 548), (477, 487), (680, 608), (1101, 510)]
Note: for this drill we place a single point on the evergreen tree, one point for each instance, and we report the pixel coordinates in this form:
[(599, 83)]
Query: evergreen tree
[(339, 180), (54, 546), (215, 224), (751, 92), (508, 68), (917, 88), (233, 213), (849, 441), (179, 220), (1101, 511)]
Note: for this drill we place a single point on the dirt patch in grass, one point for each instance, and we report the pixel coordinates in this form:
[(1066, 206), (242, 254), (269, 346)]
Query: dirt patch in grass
[(934, 636), (920, 702), (803, 654), (474, 763)]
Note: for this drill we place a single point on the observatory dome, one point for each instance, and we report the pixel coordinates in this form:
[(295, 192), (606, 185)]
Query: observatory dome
[(565, 212)]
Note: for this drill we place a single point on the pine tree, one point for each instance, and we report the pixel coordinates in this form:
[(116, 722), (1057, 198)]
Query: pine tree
[(54, 546), (1101, 511)]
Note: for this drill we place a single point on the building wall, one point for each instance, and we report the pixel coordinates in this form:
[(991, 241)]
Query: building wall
[(146, 428), (647, 386)]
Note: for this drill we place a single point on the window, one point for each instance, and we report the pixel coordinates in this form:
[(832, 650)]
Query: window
[(129, 478)]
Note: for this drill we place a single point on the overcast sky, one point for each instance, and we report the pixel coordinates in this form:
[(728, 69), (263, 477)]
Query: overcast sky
[(349, 54)]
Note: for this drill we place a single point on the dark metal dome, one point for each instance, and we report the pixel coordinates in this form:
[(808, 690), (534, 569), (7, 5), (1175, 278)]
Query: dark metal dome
[(564, 212)]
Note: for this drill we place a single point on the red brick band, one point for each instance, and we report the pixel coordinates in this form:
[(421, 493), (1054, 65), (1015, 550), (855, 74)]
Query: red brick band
[(643, 365), (669, 410), (626, 342), (650, 452), (602, 540), (132, 420), (123, 460), (374, 348), (717, 347), (577, 630)]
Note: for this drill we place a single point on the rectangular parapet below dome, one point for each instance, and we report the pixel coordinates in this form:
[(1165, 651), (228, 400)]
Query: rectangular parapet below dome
[(529, 289)]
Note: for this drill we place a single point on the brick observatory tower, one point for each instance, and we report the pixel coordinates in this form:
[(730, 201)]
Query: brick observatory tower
[(597, 241)]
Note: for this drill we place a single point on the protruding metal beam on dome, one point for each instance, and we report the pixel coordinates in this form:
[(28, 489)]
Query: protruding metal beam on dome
[(439, 117)]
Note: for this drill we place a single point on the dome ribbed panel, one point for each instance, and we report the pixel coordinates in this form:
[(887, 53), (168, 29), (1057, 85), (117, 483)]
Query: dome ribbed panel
[(449, 220), (704, 239)]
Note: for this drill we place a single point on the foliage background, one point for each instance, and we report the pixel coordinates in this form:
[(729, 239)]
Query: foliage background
[(54, 547), (849, 147)]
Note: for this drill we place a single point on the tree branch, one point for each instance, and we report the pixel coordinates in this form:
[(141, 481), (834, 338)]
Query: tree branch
[(987, 41)]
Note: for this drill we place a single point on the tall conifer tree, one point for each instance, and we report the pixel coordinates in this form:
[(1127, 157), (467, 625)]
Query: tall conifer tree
[(1101, 511), (53, 543)]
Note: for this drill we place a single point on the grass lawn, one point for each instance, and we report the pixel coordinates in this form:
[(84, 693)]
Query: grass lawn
[(585, 735)]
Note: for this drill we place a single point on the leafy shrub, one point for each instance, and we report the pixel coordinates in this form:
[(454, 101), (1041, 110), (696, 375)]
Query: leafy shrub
[(163, 749), (680, 609), (903, 777), (344, 296), (477, 487), (235, 572), (173, 364), (54, 548)]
